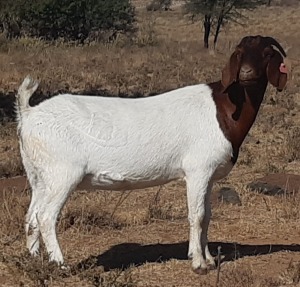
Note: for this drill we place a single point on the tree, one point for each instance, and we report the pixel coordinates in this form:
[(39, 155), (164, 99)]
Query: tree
[(9, 23), (215, 13)]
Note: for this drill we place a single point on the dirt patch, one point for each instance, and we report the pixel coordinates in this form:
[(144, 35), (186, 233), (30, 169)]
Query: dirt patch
[(277, 184), (18, 183)]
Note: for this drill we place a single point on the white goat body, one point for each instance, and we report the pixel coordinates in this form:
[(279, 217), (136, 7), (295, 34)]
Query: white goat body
[(127, 143), (117, 143)]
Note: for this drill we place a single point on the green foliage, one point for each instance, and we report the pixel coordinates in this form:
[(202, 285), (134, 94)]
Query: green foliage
[(156, 5), (215, 13), (9, 7), (229, 9), (200, 7), (71, 19)]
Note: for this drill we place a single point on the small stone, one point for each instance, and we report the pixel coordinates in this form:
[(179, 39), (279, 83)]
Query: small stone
[(229, 195)]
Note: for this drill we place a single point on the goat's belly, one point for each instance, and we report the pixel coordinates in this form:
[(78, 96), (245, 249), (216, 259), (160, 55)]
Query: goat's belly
[(115, 181)]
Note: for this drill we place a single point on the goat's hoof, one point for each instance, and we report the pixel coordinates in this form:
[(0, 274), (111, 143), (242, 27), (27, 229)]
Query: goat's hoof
[(200, 271), (211, 266), (65, 267)]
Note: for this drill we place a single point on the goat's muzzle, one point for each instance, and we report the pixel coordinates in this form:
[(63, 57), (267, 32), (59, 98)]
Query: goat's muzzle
[(247, 75)]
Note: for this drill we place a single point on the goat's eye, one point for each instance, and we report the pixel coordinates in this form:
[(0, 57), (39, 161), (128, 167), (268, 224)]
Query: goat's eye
[(239, 56), (268, 53)]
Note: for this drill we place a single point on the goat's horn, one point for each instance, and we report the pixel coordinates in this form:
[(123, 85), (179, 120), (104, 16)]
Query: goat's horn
[(272, 41)]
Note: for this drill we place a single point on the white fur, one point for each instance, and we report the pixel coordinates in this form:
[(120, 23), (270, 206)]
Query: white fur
[(117, 143)]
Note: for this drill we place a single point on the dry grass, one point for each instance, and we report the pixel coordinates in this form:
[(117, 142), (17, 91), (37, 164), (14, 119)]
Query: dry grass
[(292, 274), (10, 160), (292, 143), (139, 238), (245, 277), (261, 224), (39, 271)]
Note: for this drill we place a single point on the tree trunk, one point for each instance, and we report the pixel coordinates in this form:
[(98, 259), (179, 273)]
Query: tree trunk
[(269, 2), (207, 25), (220, 22)]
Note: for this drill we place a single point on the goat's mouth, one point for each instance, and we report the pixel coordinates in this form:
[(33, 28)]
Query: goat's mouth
[(248, 82)]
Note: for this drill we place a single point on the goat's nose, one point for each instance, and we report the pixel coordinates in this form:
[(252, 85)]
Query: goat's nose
[(246, 70), (246, 73)]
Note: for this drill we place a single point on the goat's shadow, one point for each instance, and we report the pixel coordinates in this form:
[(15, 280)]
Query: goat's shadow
[(125, 255)]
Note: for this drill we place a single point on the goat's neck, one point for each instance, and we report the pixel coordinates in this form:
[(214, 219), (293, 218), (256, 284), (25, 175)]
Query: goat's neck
[(237, 109)]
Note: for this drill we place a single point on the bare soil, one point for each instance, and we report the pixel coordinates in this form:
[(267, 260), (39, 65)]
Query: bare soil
[(140, 238)]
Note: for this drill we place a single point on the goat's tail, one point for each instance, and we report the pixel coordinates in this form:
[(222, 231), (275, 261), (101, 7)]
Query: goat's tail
[(25, 91)]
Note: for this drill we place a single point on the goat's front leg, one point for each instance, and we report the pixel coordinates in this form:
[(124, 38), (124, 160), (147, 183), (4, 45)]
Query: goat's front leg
[(198, 192), (204, 241)]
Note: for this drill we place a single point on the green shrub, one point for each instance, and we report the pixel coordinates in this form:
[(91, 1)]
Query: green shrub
[(156, 5), (71, 19)]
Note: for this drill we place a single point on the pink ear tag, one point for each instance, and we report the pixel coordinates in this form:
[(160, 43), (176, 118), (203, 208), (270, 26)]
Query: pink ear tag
[(283, 69)]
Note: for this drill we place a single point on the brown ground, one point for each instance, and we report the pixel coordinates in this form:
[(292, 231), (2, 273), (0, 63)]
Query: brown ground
[(145, 232)]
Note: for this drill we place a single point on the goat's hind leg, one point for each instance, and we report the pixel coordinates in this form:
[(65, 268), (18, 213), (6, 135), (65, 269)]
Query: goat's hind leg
[(31, 223), (59, 183)]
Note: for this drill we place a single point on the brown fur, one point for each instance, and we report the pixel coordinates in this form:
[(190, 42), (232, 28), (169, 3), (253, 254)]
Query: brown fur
[(239, 94)]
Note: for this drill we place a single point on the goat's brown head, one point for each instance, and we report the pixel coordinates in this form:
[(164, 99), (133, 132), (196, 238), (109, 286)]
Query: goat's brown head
[(255, 60)]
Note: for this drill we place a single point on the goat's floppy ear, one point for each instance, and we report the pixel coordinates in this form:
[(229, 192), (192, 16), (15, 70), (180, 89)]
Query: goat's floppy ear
[(230, 72), (277, 72)]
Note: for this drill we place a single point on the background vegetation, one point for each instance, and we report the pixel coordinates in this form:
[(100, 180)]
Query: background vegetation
[(74, 20), (216, 13)]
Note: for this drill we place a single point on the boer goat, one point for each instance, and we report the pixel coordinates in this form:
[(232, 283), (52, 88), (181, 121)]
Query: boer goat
[(192, 133)]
